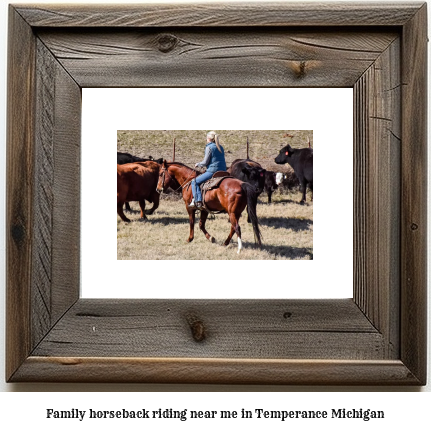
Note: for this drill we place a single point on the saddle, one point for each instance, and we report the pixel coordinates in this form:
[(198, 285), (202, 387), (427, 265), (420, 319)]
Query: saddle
[(213, 183)]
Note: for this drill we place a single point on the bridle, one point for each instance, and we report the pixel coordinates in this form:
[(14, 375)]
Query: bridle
[(162, 174), (165, 171)]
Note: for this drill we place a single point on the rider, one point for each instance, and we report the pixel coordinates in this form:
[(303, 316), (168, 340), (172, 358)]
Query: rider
[(214, 161)]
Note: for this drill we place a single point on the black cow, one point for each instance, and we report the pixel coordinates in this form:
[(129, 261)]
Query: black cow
[(123, 158), (301, 161), (250, 172), (270, 184)]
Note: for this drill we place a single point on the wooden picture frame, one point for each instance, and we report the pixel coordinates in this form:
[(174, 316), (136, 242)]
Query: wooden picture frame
[(376, 338)]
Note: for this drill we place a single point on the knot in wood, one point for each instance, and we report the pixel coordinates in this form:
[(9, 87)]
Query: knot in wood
[(18, 233), (197, 328), (167, 42), (300, 69), (414, 226)]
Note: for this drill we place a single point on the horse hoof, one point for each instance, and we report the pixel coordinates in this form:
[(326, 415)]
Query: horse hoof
[(212, 239)]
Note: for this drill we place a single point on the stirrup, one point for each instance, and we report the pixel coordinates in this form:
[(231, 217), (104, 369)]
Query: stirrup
[(192, 204), (199, 204)]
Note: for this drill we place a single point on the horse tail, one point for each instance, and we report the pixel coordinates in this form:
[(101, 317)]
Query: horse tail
[(252, 204)]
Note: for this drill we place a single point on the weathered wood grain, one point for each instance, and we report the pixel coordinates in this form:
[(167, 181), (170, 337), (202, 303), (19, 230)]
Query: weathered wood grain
[(216, 371), (377, 174), (387, 131), (20, 198), (221, 15), (234, 329), (44, 191), (67, 198), (43, 194), (211, 57), (414, 170), (55, 266)]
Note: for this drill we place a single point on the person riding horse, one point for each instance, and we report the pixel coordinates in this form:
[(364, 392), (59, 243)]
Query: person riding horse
[(214, 161)]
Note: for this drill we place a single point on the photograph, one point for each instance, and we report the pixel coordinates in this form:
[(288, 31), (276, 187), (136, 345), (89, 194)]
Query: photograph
[(256, 200)]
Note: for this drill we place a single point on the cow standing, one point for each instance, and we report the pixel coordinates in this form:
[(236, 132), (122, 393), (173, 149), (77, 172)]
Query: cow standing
[(301, 160), (137, 182), (123, 158), (287, 180), (270, 184), (250, 172)]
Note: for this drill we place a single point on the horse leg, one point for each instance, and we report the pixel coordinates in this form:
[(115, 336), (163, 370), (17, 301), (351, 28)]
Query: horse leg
[(156, 199), (238, 234), (192, 225), (142, 205), (234, 229), (128, 207), (204, 216), (121, 213)]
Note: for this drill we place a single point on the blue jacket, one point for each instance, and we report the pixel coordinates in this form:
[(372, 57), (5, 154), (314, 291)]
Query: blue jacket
[(214, 159)]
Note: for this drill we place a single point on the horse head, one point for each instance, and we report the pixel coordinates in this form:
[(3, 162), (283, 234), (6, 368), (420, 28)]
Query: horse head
[(164, 178)]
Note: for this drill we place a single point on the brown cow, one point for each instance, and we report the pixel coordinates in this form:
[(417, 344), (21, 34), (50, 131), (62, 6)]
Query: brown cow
[(137, 182)]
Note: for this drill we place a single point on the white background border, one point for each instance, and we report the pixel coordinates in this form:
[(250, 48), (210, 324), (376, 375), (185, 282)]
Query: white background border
[(328, 112)]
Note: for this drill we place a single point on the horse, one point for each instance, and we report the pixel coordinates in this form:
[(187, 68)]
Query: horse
[(137, 182), (231, 197)]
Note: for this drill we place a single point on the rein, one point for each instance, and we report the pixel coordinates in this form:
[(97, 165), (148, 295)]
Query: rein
[(186, 182)]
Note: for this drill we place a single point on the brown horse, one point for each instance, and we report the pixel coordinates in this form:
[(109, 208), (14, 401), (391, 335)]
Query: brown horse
[(232, 196), (137, 182)]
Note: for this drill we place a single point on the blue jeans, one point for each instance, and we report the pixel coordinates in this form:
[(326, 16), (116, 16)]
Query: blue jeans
[(197, 182)]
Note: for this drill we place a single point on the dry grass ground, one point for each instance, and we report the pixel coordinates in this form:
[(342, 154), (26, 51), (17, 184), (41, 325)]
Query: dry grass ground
[(287, 229), (286, 226)]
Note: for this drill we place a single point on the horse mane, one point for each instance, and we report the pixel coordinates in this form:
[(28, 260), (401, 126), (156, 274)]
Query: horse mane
[(182, 164)]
